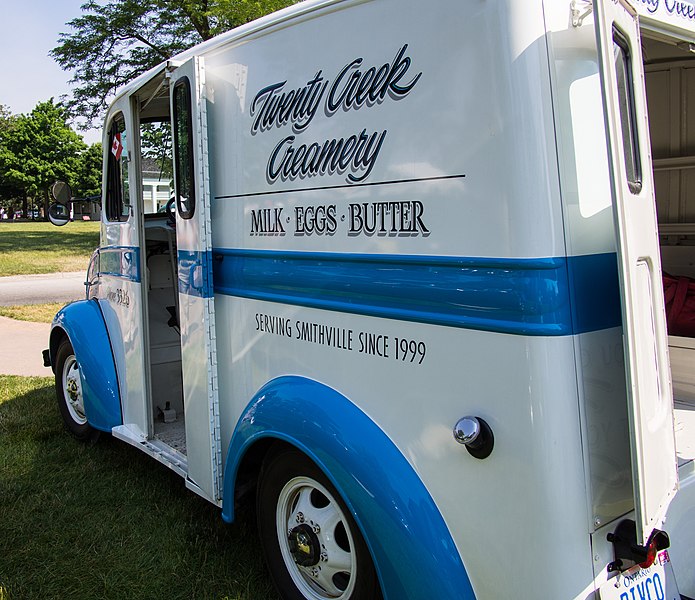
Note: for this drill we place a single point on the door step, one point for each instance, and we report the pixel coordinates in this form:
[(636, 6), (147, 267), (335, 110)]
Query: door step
[(157, 449)]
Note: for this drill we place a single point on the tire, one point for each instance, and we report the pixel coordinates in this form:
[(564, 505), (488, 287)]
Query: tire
[(69, 392), (313, 547)]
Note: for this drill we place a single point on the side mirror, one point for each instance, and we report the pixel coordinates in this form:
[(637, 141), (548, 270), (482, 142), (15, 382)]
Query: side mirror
[(61, 192), (58, 214)]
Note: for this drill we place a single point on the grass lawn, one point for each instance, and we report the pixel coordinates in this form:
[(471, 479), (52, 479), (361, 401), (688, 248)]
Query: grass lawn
[(27, 248), (104, 521), (38, 313)]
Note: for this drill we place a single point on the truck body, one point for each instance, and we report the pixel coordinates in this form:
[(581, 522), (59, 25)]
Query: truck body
[(412, 265)]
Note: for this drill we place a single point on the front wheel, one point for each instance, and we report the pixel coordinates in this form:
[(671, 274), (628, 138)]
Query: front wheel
[(68, 384), (312, 545)]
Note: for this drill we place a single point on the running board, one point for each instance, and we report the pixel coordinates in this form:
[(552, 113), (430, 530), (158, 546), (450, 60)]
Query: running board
[(157, 449)]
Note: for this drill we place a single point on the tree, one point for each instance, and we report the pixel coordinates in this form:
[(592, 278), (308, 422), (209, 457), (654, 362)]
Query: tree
[(87, 181), (10, 193), (40, 148), (114, 42), (155, 142)]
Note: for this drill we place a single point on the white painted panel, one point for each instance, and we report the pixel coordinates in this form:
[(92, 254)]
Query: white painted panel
[(480, 109), (528, 494)]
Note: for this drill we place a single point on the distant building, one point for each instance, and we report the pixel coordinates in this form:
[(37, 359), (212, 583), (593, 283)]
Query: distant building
[(86, 209), (156, 191), (156, 185)]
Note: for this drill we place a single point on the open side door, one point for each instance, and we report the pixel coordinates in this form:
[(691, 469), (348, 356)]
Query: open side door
[(196, 301), (655, 476)]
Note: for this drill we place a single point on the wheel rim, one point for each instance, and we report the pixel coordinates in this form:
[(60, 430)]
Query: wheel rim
[(315, 540), (72, 390)]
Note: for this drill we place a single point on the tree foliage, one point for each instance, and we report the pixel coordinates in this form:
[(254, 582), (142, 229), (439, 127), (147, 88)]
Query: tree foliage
[(87, 181), (9, 190), (113, 42), (45, 148), (40, 148), (155, 145)]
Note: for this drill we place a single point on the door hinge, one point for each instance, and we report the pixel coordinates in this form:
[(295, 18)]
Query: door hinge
[(580, 9)]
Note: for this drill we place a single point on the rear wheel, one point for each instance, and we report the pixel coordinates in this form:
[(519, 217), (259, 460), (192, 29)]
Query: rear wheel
[(312, 545), (68, 384)]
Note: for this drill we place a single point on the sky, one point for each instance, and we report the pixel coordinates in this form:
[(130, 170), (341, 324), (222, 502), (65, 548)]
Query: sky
[(29, 29)]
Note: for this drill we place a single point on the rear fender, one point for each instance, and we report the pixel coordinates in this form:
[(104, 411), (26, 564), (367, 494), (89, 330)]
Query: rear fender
[(411, 545)]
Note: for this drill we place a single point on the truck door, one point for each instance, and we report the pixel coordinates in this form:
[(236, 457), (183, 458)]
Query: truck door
[(120, 268), (650, 403), (196, 303)]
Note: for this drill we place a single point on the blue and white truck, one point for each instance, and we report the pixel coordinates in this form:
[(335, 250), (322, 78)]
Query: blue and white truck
[(407, 294)]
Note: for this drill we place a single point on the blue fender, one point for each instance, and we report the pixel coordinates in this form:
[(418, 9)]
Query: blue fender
[(84, 324), (411, 545)]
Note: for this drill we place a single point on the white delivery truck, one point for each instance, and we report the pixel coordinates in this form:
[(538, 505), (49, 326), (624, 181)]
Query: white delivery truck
[(407, 294)]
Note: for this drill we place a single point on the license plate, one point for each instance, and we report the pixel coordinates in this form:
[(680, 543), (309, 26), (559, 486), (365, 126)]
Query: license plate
[(655, 583)]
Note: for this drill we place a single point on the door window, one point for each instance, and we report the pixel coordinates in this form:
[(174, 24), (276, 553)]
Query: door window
[(183, 149), (628, 120), (117, 192)]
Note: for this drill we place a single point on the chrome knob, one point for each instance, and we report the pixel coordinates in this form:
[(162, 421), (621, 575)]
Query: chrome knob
[(467, 430), (475, 434)]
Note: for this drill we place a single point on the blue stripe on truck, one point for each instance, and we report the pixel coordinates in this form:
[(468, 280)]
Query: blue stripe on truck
[(535, 296), (120, 261), (194, 273)]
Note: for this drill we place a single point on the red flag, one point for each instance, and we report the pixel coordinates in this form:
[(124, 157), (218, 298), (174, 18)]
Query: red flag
[(117, 147)]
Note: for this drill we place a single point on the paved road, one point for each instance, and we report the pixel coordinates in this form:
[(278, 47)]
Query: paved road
[(21, 342), (38, 289)]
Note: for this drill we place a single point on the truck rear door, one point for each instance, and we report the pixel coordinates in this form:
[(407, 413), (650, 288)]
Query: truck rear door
[(655, 478)]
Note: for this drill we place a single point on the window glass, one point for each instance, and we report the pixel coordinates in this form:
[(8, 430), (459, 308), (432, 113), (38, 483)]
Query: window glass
[(628, 120), (183, 145), (117, 192)]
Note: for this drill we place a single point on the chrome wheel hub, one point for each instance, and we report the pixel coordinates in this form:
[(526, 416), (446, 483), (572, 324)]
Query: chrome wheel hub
[(315, 540), (72, 390)]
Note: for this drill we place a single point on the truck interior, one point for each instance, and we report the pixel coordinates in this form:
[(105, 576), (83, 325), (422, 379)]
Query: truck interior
[(670, 84), (160, 277)]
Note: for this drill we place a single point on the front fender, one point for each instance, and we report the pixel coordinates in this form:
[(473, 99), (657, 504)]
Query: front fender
[(412, 548), (84, 325)]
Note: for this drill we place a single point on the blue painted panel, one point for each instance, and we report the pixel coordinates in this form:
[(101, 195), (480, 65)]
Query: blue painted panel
[(543, 296), (120, 261), (195, 273), (85, 326), (595, 292), (412, 548)]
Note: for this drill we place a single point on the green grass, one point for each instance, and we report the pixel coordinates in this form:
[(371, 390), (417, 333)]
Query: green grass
[(104, 521), (28, 248), (38, 313)]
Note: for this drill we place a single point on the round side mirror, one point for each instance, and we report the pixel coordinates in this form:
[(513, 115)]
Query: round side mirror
[(58, 214), (61, 192)]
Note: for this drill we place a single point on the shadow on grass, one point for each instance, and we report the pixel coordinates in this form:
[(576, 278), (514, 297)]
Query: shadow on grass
[(75, 238), (104, 520)]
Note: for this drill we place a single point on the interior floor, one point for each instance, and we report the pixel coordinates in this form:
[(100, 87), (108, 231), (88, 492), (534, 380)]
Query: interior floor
[(172, 434)]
